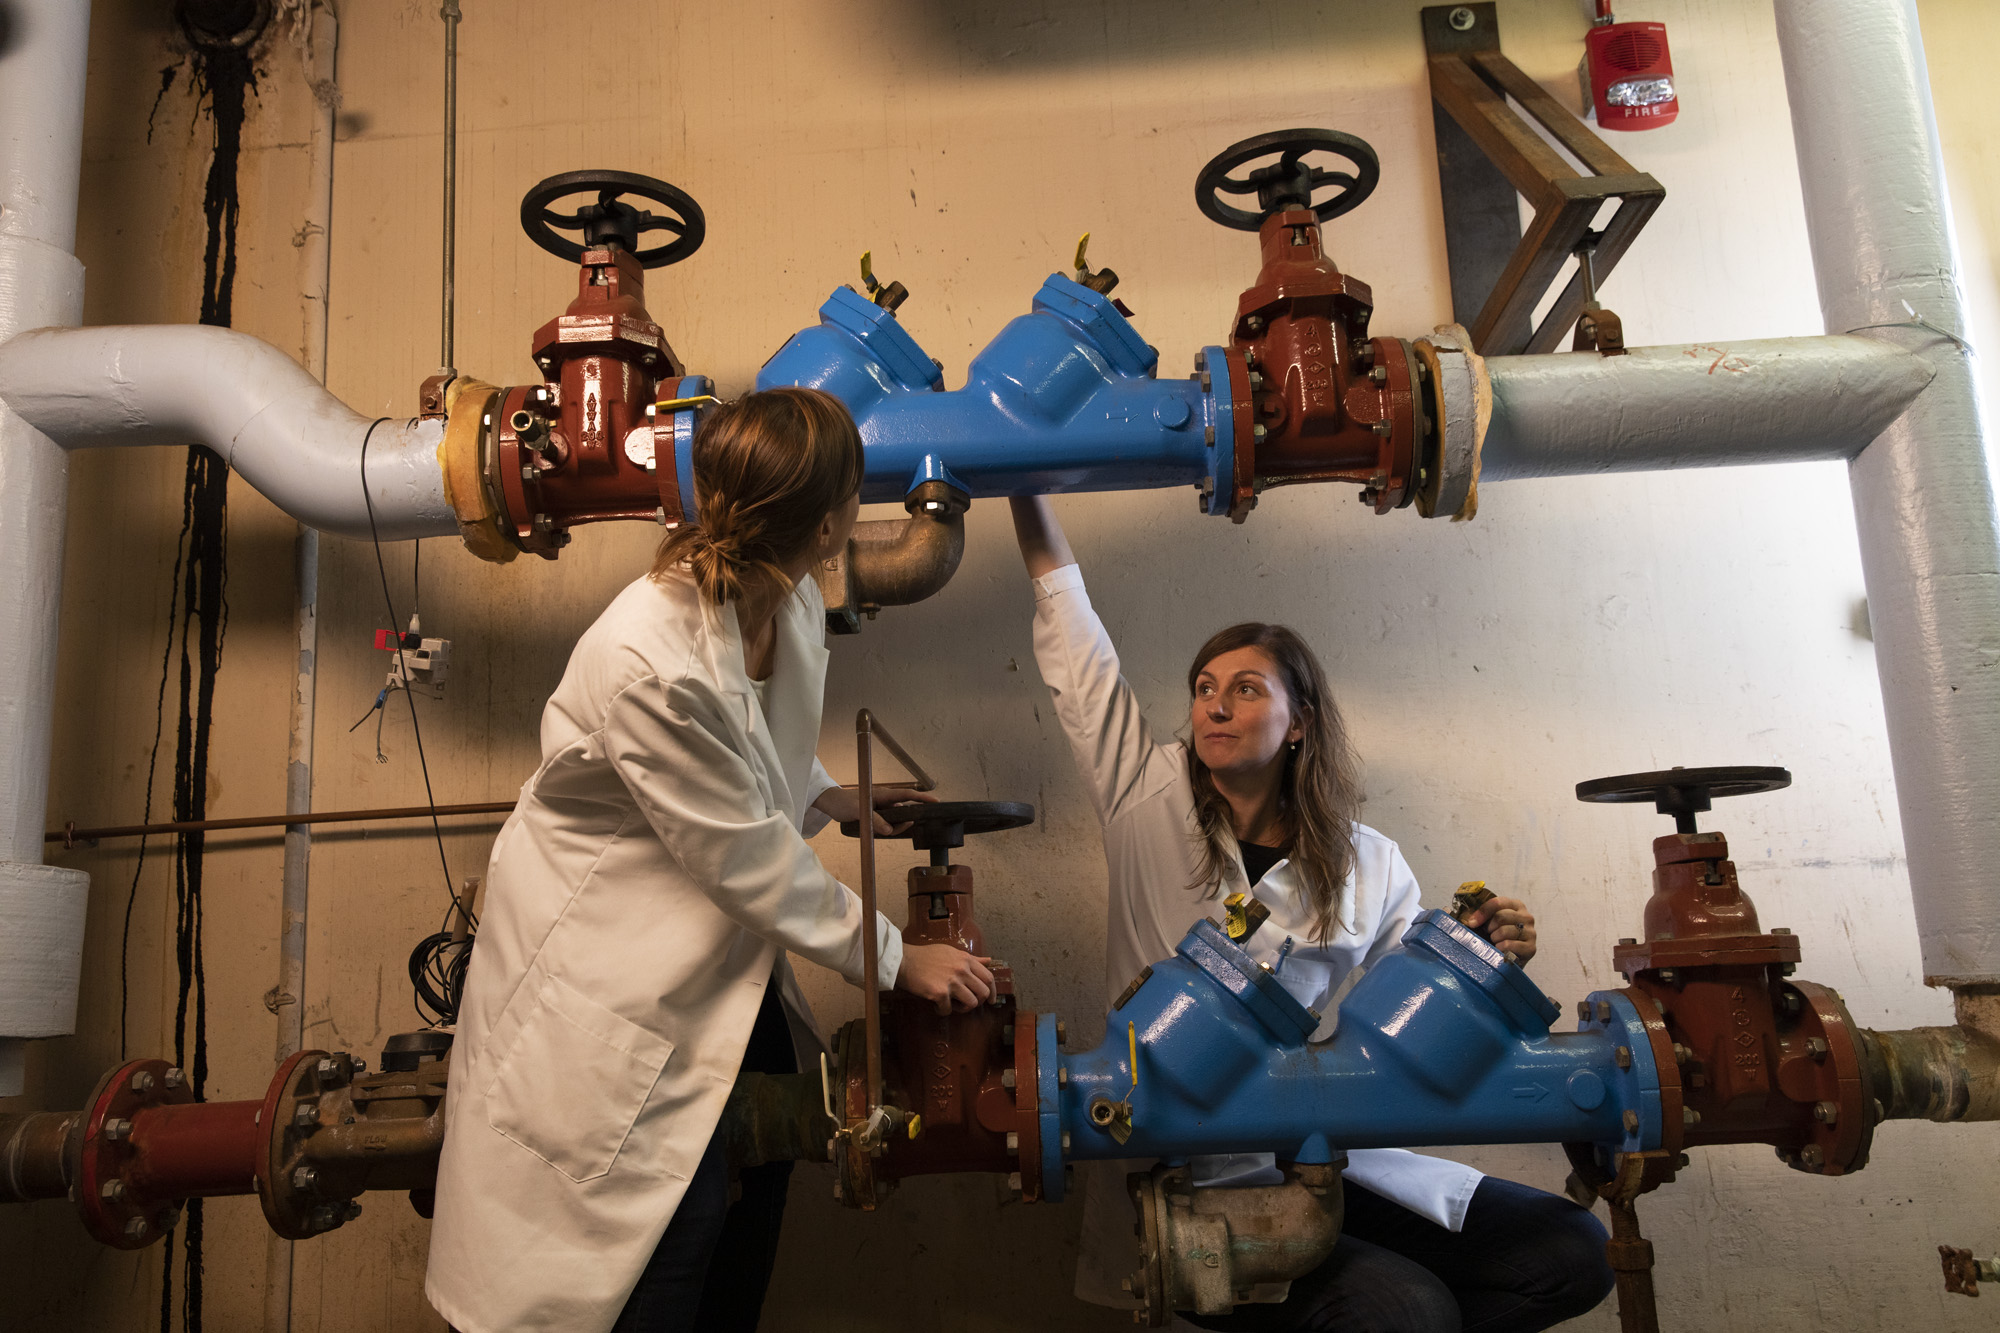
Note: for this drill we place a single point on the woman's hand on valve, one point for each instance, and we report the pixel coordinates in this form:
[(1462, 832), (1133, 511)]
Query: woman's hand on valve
[(843, 805), (946, 975), (1509, 924)]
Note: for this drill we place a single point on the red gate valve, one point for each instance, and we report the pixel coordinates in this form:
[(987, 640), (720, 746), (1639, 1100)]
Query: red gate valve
[(1328, 402), (585, 445), (1748, 1056)]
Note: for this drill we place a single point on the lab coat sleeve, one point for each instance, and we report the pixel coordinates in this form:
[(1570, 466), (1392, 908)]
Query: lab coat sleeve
[(670, 747), (1399, 908), (819, 784), (1098, 710)]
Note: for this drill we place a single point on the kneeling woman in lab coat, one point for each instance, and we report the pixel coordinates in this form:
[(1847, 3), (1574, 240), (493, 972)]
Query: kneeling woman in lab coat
[(1262, 800), (640, 902)]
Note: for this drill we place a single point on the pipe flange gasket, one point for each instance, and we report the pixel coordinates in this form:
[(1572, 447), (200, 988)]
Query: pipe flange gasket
[(1027, 1104), (101, 1155), (469, 408), (1846, 1141), (1673, 1118), (1461, 405), (1048, 1109)]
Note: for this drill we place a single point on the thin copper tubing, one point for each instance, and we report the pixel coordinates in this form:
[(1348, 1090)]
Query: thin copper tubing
[(69, 835), (866, 731)]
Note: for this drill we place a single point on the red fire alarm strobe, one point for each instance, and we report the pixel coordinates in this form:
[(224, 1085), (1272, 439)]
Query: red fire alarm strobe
[(1630, 75)]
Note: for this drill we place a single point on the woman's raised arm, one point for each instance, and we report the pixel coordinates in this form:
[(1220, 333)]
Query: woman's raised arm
[(1113, 747)]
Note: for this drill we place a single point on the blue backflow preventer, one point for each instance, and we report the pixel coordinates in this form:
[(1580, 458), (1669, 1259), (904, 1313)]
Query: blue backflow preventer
[(1444, 1041), (1064, 399)]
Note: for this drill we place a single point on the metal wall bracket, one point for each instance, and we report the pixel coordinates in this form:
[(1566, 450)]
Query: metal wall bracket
[(1471, 84)]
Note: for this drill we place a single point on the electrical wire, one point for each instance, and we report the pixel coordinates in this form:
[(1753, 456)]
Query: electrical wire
[(420, 962)]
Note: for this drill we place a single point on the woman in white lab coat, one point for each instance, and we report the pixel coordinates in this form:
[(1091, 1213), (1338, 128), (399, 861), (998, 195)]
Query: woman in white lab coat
[(1263, 800), (640, 903)]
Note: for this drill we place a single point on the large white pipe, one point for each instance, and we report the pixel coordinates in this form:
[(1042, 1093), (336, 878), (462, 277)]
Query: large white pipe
[(1696, 405), (272, 422), (1880, 225), (44, 47)]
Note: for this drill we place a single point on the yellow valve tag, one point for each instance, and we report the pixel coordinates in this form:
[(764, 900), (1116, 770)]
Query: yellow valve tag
[(1238, 924), (916, 1125), (1471, 896), (1120, 1128)]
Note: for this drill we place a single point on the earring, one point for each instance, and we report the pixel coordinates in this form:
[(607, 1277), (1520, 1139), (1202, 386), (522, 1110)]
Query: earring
[(1295, 747)]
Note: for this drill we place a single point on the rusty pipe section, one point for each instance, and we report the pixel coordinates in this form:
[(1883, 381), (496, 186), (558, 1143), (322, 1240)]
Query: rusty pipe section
[(1776, 400), (325, 1132), (896, 562), (1946, 1073)]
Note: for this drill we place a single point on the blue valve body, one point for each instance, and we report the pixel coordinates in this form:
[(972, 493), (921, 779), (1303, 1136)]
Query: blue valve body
[(1063, 399), (1442, 1042)]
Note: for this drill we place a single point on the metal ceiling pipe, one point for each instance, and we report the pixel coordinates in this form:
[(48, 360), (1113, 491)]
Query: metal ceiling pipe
[(44, 46), (1777, 400), (1880, 225), (268, 419)]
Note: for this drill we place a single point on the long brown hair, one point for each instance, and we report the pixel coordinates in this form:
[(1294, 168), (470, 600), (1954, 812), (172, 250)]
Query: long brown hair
[(768, 469), (1319, 793)]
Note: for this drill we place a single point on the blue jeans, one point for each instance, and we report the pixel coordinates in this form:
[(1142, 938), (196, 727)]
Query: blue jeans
[(1524, 1261), (734, 1243)]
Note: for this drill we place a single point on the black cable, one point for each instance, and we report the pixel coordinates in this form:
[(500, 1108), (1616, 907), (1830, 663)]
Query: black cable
[(416, 728)]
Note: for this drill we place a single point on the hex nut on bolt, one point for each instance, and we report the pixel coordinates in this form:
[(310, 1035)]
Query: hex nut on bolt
[(136, 1229), (142, 1081), (1816, 1047), (176, 1078), (112, 1190), (1006, 1078), (1013, 1142), (1813, 1156), (117, 1128), (1631, 1122), (1826, 1112), (303, 1178), (1463, 19)]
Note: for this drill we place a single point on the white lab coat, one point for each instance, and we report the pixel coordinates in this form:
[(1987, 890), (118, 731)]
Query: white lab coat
[(1152, 848), (637, 904)]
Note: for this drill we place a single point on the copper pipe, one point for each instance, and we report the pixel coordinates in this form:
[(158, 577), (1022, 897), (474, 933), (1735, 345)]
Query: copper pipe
[(69, 835), (871, 998), (1631, 1258)]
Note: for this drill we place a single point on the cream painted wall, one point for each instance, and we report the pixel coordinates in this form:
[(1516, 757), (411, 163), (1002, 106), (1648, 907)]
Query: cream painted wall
[(1578, 628)]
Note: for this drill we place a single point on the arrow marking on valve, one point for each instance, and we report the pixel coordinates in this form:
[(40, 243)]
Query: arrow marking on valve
[(1534, 1092)]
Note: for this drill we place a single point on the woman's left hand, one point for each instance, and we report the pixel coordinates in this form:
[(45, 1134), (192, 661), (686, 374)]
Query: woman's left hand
[(842, 804), (1509, 924)]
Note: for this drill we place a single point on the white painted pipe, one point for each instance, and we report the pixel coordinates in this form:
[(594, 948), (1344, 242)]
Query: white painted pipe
[(1696, 405), (272, 422), (43, 53), (1880, 225)]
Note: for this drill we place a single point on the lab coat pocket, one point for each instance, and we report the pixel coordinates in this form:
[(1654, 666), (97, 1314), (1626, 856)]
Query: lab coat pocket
[(574, 1080)]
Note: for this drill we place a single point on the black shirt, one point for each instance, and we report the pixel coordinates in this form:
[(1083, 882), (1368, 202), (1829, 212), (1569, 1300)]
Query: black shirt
[(1258, 858)]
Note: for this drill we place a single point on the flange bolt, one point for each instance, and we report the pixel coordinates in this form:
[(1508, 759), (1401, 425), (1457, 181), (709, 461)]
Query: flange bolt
[(1631, 1122), (1813, 1156), (303, 1178), (1826, 1112), (176, 1079), (1816, 1047), (1623, 1056), (142, 1081), (306, 1116), (112, 1190), (1013, 1142), (1690, 1116), (117, 1128), (136, 1229), (1007, 1078)]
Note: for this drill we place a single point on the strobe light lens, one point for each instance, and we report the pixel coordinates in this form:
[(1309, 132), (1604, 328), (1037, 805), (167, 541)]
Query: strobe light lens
[(1640, 92)]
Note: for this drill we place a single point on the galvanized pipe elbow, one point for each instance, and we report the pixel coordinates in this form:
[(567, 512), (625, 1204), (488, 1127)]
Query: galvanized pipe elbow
[(896, 562)]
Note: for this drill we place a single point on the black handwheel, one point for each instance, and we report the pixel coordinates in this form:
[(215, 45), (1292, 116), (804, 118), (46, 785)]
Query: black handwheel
[(935, 825), (1290, 182), (1683, 792), (610, 221)]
